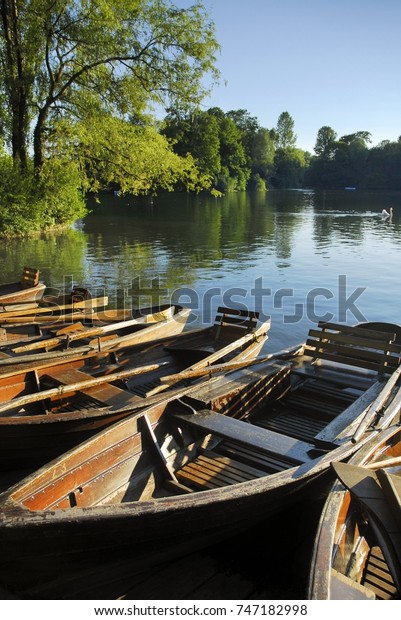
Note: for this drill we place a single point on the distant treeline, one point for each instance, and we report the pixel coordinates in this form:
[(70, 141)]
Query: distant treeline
[(237, 153)]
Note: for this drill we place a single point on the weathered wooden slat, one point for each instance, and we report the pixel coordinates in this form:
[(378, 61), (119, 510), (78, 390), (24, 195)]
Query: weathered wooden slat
[(237, 312), (30, 277), (352, 356), (247, 434), (358, 331), (237, 322), (210, 469), (315, 347), (353, 414), (377, 576), (376, 364), (234, 464), (295, 425), (357, 342), (269, 462), (358, 379)]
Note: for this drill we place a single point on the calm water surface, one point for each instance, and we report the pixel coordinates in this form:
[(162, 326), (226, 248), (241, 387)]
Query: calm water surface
[(297, 256)]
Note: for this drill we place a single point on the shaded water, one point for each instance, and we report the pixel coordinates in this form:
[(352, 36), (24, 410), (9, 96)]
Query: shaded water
[(297, 256)]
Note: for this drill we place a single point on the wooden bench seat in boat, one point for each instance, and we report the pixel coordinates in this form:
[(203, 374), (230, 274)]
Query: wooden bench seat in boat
[(354, 346), (30, 277), (247, 434), (106, 393), (229, 324), (333, 375)]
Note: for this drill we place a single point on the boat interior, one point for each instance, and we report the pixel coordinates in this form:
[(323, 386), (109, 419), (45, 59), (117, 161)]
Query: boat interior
[(366, 553)]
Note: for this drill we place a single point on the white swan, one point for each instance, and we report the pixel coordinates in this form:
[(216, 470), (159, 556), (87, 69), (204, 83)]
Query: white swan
[(386, 214)]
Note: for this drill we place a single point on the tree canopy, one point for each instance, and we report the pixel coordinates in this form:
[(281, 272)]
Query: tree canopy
[(78, 59), (80, 80)]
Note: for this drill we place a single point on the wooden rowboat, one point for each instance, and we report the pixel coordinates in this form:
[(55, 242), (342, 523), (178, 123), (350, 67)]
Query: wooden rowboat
[(55, 309), (20, 339), (28, 290), (357, 549), (193, 470), (51, 404)]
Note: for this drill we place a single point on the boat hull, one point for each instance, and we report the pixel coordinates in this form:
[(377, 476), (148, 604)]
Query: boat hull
[(16, 297)]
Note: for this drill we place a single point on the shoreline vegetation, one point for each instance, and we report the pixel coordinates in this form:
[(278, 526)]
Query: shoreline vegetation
[(79, 87)]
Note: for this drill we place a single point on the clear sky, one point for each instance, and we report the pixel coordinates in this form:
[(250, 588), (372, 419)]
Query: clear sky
[(326, 62)]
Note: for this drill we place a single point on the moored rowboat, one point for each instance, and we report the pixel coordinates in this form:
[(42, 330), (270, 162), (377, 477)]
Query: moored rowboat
[(28, 290), (66, 331), (50, 404)]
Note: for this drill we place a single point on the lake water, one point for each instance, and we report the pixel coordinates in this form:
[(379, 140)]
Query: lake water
[(297, 256)]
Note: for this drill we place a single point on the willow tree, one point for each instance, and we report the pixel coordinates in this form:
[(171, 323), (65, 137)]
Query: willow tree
[(66, 64)]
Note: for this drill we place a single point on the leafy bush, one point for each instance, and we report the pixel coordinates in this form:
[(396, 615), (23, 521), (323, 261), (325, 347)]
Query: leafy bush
[(29, 205)]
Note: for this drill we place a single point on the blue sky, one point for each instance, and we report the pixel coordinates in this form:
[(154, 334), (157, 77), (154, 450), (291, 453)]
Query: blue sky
[(326, 62)]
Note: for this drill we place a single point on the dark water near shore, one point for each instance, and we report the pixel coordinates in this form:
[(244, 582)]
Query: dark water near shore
[(297, 256)]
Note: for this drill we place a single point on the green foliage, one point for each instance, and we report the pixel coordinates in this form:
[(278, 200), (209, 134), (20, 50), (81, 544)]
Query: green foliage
[(67, 67), (349, 162), (215, 142), (112, 56), (284, 132), (290, 167), (136, 158), (29, 204), (325, 142), (262, 154), (257, 184)]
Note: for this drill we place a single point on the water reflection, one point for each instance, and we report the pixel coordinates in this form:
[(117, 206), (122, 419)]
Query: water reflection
[(282, 250)]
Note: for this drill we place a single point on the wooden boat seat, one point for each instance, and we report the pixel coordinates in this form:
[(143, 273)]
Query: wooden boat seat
[(354, 346), (230, 324), (30, 277), (333, 375), (247, 434), (106, 393)]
